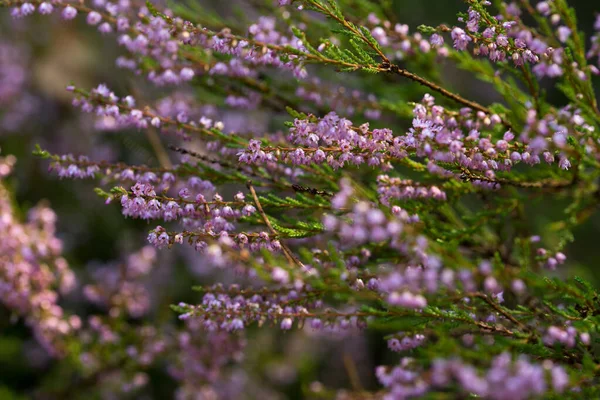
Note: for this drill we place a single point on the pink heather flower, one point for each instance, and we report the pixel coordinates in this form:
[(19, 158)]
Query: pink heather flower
[(585, 338), (543, 8), (248, 210), (236, 325), (122, 24), (394, 344), (424, 46), (280, 275), (461, 39), (535, 239), (406, 343), (407, 300), (460, 139), (129, 101), (555, 335), (316, 324), (105, 27), (329, 222), (186, 74), (502, 40), (564, 163), (563, 33), (184, 193), (373, 19), (491, 284), (485, 267), (401, 29), (45, 8), (15, 12), (560, 379), (436, 40), (93, 18), (518, 286), (239, 196), (27, 9), (69, 13), (554, 70), (286, 324)]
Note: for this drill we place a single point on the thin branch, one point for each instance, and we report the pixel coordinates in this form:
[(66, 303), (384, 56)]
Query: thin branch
[(467, 175), (288, 253), (159, 150), (392, 68), (228, 165), (387, 66), (499, 309), (352, 371), (348, 25), (531, 86)]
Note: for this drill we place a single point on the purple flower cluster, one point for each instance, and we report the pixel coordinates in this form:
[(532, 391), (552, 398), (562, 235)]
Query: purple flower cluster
[(149, 38), (68, 166), (33, 273), (547, 135), (441, 136), (407, 286), (6, 165), (260, 47), (142, 202), (498, 41), (121, 288), (225, 247), (447, 138), (519, 379), (396, 188), (16, 102), (551, 262), (405, 342), (399, 43), (154, 39), (13, 73), (117, 114), (331, 139), (223, 311), (204, 220), (594, 50), (566, 337), (365, 224), (70, 11), (201, 361), (194, 358), (504, 39), (317, 92)]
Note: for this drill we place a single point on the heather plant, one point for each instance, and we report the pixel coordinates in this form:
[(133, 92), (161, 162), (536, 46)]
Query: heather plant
[(336, 186)]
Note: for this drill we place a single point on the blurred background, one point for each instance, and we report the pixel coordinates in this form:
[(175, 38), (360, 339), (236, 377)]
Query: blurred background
[(39, 56)]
